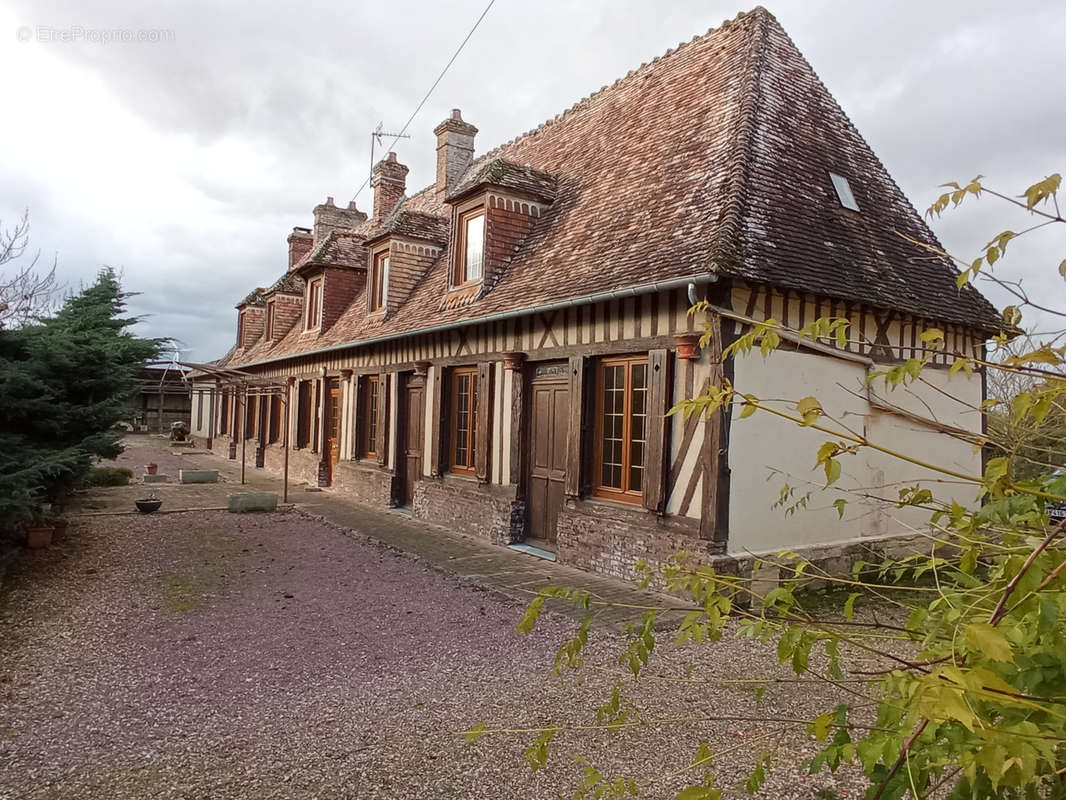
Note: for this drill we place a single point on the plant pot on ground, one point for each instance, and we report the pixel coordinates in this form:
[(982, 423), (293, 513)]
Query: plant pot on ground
[(39, 532), (146, 505)]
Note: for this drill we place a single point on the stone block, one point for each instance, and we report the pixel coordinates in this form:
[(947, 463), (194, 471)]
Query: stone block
[(247, 502), (157, 478), (198, 475)]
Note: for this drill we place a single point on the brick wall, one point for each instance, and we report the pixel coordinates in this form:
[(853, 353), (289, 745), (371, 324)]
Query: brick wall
[(365, 483), (508, 222), (489, 512), (251, 328), (339, 287), (602, 538), (300, 242), (408, 262), (288, 310)]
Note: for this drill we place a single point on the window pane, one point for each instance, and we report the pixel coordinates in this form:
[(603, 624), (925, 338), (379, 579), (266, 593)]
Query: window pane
[(475, 246), (372, 416), (638, 426), (612, 425), (463, 454)]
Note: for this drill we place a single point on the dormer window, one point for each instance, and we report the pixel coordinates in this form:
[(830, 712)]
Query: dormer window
[(314, 304), (240, 328), (471, 247), (379, 279)]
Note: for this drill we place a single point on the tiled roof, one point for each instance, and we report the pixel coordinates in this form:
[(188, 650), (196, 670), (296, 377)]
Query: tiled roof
[(289, 283), (256, 297), (713, 157), (508, 175), (338, 249), (405, 221)]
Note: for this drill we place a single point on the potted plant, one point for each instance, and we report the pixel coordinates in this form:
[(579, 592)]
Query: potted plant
[(39, 531), (151, 469), (688, 345), (146, 505)]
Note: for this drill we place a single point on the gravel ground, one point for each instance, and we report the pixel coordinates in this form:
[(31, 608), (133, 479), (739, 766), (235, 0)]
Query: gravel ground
[(210, 655)]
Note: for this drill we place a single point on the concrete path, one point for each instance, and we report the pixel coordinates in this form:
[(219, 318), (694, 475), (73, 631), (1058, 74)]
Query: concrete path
[(514, 574)]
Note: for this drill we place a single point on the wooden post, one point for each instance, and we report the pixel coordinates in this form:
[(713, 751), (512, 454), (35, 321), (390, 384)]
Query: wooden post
[(712, 455), (512, 362), (286, 398), (244, 422)]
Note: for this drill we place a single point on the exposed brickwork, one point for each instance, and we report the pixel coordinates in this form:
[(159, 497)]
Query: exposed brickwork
[(328, 218), (509, 222), (339, 288), (364, 483), (251, 326), (287, 310), (455, 151), (300, 242), (489, 512), (390, 183), (408, 262), (602, 538)]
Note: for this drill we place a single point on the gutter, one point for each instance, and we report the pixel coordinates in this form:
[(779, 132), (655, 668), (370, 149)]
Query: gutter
[(632, 291)]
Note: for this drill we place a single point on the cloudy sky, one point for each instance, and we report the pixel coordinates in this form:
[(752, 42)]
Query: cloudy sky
[(184, 160)]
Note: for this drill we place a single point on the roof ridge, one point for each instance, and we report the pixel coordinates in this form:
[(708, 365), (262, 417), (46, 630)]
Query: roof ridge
[(757, 13), (727, 244)]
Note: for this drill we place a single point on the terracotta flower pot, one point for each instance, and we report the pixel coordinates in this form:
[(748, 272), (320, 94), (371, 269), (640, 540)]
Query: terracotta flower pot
[(39, 536), (688, 345), (151, 469)]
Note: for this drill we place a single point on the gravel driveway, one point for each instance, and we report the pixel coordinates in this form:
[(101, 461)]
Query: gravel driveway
[(208, 655)]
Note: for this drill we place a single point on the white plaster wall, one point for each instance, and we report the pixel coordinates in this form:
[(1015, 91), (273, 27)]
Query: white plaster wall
[(766, 452)]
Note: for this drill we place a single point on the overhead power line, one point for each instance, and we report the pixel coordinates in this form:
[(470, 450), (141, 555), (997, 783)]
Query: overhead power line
[(440, 77)]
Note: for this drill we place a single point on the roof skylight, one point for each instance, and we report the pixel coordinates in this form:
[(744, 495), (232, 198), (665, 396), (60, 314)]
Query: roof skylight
[(847, 199)]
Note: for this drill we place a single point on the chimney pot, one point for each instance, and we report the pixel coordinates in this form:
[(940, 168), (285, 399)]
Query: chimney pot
[(329, 200)]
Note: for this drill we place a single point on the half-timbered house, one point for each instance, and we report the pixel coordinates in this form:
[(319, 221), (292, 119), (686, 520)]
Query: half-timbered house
[(497, 352)]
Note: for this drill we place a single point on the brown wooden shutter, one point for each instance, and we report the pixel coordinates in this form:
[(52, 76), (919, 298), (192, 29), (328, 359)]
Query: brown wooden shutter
[(355, 443), (435, 398), (713, 455), (382, 443), (656, 445), (483, 421), (574, 430)]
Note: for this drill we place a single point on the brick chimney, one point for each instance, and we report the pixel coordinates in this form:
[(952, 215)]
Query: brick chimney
[(328, 217), (300, 242), (390, 183), (455, 151)]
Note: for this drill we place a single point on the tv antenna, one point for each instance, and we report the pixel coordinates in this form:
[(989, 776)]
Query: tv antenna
[(376, 136)]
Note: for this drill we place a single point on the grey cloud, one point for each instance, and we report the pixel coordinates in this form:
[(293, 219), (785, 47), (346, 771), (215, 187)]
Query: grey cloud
[(941, 90)]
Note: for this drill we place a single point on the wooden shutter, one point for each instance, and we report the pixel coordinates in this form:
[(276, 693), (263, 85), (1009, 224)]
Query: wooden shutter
[(382, 443), (435, 398), (483, 421), (574, 431), (656, 445)]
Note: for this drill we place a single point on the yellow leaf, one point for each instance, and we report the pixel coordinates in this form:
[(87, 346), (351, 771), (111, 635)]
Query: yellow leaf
[(932, 335), (810, 409), (988, 641)]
